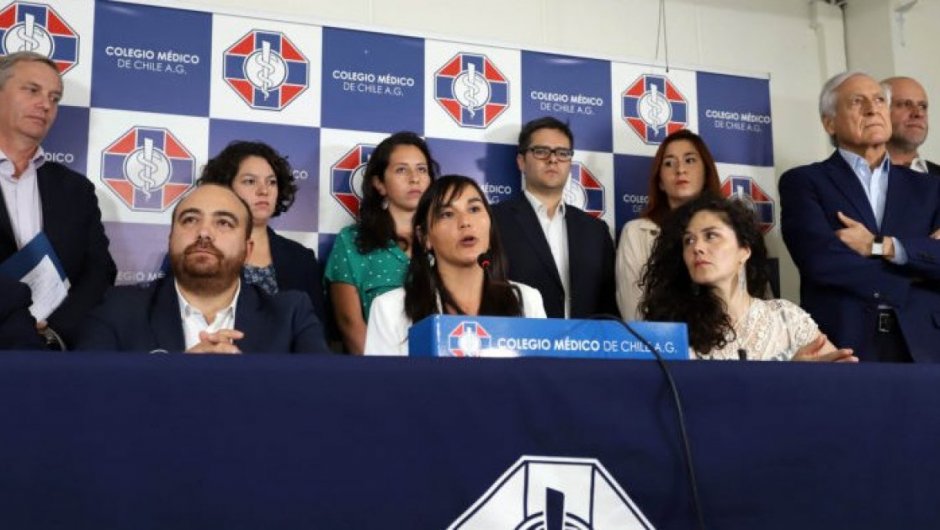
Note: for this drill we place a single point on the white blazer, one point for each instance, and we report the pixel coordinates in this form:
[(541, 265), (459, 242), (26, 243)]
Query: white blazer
[(387, 331)]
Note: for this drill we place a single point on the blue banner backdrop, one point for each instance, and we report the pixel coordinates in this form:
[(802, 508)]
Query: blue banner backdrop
[(153, 92)]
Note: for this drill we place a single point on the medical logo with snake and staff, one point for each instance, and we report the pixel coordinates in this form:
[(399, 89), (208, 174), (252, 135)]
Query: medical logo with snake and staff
[(38, 28), (266, 70), (472, 90), (148, 169), (654, 108)]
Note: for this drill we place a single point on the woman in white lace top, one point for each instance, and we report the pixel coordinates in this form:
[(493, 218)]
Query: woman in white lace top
[(709, 269)]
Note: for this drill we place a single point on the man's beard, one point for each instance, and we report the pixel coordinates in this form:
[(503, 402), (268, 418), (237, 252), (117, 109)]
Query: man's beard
[(202, 274), (907, 142)]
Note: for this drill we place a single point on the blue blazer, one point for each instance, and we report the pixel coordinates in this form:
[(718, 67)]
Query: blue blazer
[(147, 319), (841, 289), (72, 222), (530, 261)]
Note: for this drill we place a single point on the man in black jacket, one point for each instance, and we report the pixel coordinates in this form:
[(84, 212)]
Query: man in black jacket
[(555, 247), (45, 197)]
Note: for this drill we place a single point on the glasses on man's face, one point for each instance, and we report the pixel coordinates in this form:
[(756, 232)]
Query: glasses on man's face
[(541, 152)]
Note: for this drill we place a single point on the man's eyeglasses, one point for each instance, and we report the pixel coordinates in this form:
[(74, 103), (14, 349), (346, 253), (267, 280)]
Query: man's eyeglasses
[(541, 152)]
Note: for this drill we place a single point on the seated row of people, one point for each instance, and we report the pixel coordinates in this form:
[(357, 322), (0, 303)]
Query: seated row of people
[(566, 255)]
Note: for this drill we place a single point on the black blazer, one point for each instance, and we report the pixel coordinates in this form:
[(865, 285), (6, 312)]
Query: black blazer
[(17, 326), (530, 261), (296, 267), (72, 222), (933, 169), (147, 319)]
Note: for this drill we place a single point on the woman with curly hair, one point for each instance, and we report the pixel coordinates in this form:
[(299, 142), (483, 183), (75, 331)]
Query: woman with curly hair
[(263, 178), (708, 269)]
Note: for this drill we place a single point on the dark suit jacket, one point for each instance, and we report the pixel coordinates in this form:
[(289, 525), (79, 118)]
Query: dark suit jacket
[(17, 326), (841, 289), (72, 222), (146, 319), (297, 268), (530, 261), (933, 169)]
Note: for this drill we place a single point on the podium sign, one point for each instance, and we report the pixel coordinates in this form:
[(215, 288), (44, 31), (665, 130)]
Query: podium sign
[(473, 336)]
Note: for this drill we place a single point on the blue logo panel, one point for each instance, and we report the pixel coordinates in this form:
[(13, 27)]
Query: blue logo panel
[(324, 247), (631, 188), (580, 97), (301, 146), (734, 118), (372, 82), (494, 165), (151, 59), (67, 141)]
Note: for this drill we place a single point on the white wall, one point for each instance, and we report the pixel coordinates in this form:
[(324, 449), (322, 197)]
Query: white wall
[(798, 42), (879, 43)]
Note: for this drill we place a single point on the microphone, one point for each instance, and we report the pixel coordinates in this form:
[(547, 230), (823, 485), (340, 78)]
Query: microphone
[(484, 260), (742, 354)]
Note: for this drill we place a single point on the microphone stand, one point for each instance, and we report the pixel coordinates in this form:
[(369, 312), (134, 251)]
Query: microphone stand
[(686, 446)]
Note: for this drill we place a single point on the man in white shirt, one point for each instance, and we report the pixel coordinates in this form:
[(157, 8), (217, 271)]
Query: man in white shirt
[(555, 247), (46, 197), (908, 124), (203, 307)]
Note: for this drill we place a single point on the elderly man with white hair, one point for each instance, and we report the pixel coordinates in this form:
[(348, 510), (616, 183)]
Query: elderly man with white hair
[(859, 230)]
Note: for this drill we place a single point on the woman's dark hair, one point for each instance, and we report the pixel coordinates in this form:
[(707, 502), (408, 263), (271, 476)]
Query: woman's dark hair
[(376, 226), (223, 168), (423, 283), (657, 209), (668, 291)]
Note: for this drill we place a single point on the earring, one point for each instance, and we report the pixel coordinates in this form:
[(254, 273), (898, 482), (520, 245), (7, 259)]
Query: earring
[(431, 259), (742, 279), (385, 203)]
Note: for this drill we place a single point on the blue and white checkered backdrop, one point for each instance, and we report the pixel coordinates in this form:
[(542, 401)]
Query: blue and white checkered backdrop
[(153, 92)]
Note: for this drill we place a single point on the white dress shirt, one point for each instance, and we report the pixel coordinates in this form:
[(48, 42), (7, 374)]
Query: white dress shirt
[(21, 197), (194, 321), (556, 233), (920, 165)]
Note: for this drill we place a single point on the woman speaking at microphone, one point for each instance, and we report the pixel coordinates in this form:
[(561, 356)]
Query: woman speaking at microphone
[(456, 268)]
